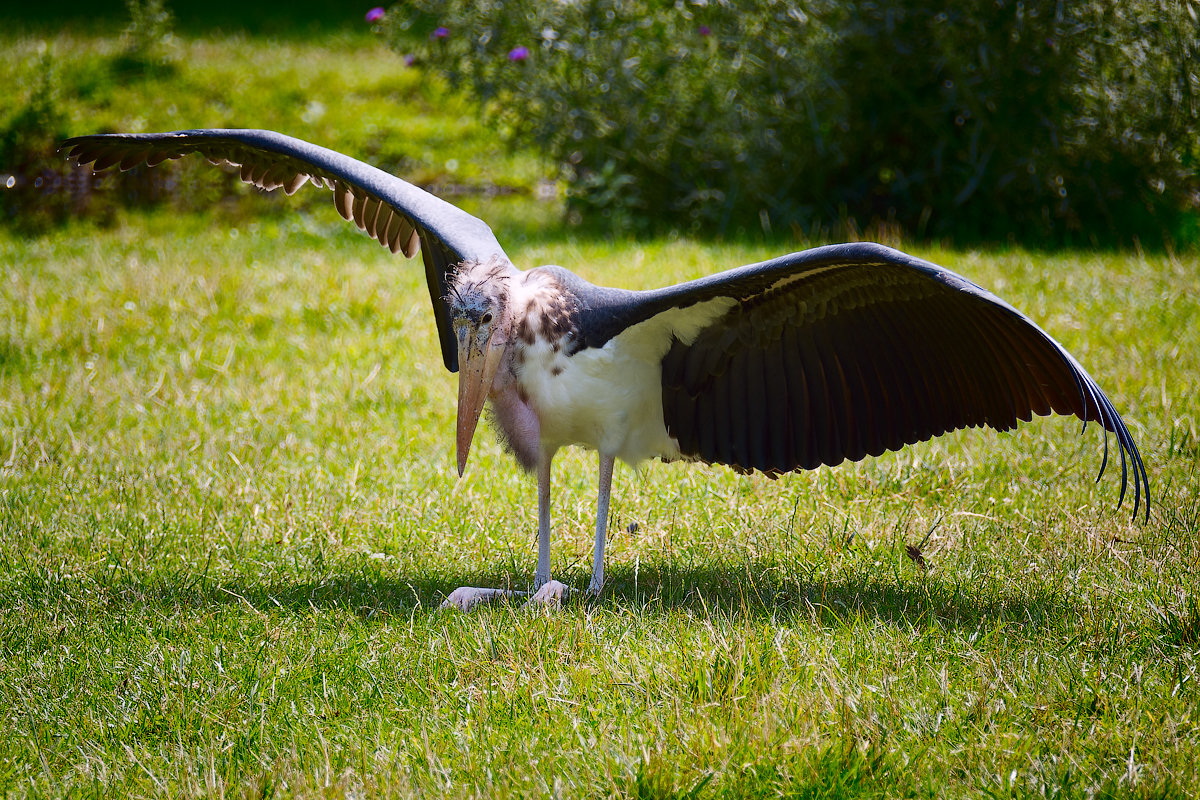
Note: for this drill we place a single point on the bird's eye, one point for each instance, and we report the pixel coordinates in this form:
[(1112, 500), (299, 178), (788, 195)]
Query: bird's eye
[(486, 318)]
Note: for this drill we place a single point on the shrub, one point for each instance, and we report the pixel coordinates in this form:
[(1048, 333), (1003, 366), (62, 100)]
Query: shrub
[(148, 40), (986, 118), (983, 118), (31, 196), (40, 189)]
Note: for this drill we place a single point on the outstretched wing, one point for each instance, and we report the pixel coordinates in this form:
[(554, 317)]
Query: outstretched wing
[(402, 217), (850, 350)]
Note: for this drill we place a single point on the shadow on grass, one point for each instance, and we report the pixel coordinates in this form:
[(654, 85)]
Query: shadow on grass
[(749, 590), (845, 599), (736, 591)]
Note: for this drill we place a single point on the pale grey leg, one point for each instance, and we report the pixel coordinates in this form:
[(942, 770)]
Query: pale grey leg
[(549, 593), (606, 471), (542, 576)]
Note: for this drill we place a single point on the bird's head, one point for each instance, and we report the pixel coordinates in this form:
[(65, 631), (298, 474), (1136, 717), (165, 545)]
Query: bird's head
[(479, 314)]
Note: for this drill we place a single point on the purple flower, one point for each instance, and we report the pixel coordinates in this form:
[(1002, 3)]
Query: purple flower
[(518, 54), (375, 14), (704, 30), (409, 60), (440, 32)]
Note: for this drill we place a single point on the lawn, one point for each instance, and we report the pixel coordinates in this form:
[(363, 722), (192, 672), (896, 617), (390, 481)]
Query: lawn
[(229, 510)]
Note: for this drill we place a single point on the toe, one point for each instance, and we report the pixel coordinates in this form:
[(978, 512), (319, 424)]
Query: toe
[(551, 595), (465, 598)]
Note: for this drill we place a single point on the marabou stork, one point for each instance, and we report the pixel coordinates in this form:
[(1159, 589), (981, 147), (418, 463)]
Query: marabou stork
[(811, 358)]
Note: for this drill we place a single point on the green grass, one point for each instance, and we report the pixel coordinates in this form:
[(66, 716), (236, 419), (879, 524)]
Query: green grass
[(229, 510), (348, 92)]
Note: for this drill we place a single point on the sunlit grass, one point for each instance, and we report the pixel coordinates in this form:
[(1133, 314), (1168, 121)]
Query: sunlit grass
[(229, 509)]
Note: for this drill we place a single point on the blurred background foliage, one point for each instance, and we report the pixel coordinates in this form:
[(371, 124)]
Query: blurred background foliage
[(296, 19), (975, 119), (151, 66), (983, 120)]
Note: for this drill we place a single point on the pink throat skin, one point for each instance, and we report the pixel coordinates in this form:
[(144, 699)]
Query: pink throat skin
[(515, 419)]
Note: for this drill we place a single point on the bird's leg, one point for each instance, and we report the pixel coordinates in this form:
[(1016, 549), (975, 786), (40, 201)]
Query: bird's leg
[(549, 593), (606, 471), (542, 576)]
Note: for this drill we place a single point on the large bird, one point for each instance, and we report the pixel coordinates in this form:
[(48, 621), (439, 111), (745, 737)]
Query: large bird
[(812, 358)]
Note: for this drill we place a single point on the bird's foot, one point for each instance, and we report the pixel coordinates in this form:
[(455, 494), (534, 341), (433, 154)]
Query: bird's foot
[(465, 598), (551, 595)]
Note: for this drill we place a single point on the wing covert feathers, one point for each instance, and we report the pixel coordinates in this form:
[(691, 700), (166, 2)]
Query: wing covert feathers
[(849, 351)]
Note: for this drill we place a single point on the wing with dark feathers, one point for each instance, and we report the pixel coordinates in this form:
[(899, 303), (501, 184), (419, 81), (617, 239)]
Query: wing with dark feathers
[(400, 216), (846, 351)]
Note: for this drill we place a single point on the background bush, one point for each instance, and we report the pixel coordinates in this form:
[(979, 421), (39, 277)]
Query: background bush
[(983, 118), (29, 133), (44, 191), (140, 69)]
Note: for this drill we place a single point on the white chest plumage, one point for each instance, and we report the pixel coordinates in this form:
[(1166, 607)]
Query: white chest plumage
[(610, 398)]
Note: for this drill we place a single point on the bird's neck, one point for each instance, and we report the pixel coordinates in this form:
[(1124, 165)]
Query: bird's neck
[(513, 416), (543, 309), (543, 317)]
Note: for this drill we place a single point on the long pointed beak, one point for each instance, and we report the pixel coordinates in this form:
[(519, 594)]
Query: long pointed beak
[(476, 373)]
